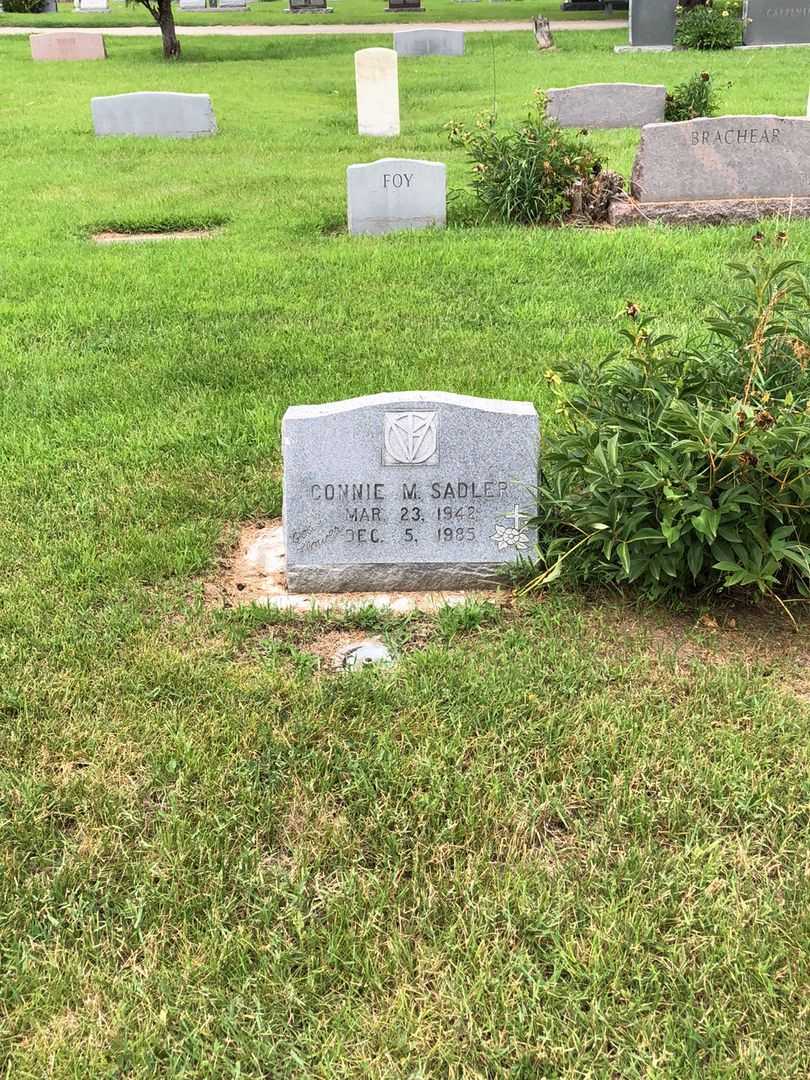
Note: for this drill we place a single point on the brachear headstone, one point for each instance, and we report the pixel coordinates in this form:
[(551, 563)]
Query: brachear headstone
[(607, 105), (148, 112), (63, 45), (396, 193), (298, 7), (771, 22), (407, 491), (724, 168), (403, 5), (430, 41), (652, 24), (377, 83)]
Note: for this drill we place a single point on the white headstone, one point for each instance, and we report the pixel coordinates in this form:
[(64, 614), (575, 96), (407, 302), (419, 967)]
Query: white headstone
[(377, 84), (396, 193), (92, 7), (148, 112)]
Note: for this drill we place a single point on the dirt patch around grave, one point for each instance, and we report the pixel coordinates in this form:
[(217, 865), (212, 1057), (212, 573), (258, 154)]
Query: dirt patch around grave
[(252, 572), (111, 237), (759, 637)]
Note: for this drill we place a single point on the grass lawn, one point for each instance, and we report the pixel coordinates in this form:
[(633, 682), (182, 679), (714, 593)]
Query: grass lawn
[(271, 12), (568, 839)]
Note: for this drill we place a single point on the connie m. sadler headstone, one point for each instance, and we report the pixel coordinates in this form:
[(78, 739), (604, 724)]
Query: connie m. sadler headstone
[(154, 113), (377, 83), (724, 168), (607, 105), (771, 22), (396, 193), (407, 491)]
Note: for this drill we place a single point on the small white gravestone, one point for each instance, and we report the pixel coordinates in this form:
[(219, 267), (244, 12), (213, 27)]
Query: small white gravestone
[(377, 84), (192, 5), (149, 113), (430, 41), (91, 7), (396, 193)]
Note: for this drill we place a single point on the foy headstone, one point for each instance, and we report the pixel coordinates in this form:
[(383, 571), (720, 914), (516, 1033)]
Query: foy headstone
[(607, 105), (396, 193), (377, 82), (771, 22), (407, 491), (148, 112)]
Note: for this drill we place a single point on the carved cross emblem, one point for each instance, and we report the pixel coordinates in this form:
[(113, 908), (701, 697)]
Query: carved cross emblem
[(410, 437)]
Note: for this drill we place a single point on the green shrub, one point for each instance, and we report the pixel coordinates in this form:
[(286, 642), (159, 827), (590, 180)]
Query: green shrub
[(531, 175), (709, 26), (695, 97), (688, 469), (23, 7)]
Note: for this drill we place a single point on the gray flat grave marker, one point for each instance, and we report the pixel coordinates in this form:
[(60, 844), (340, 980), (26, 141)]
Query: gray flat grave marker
[(429, 42), (412, 490), (154, 113), (396, 193), (607, 105), (769, 22)]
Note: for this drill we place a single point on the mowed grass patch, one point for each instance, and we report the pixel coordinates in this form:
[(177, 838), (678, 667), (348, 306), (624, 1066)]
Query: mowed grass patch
[(530, 848)]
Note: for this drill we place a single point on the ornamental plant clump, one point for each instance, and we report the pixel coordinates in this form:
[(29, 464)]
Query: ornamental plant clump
[(716, 24), (537, 173), (687, 469), (695, 97)]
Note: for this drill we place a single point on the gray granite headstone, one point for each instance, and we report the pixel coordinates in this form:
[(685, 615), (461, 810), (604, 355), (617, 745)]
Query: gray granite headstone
[(607, 105), (723, 157), (407, 491), (652, 22), (776, 22), (430, 41), (147, 112), (396, 193)]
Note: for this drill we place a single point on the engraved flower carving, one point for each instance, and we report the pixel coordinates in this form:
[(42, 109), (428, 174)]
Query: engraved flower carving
[(509, 535)]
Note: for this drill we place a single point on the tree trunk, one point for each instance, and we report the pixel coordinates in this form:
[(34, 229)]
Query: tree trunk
[(171, 44), (542, 33)]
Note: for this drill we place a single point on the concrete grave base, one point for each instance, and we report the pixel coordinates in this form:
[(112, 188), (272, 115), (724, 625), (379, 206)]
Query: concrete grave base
[(643, 48), (257, 575), (774, 45), (707, 212)]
